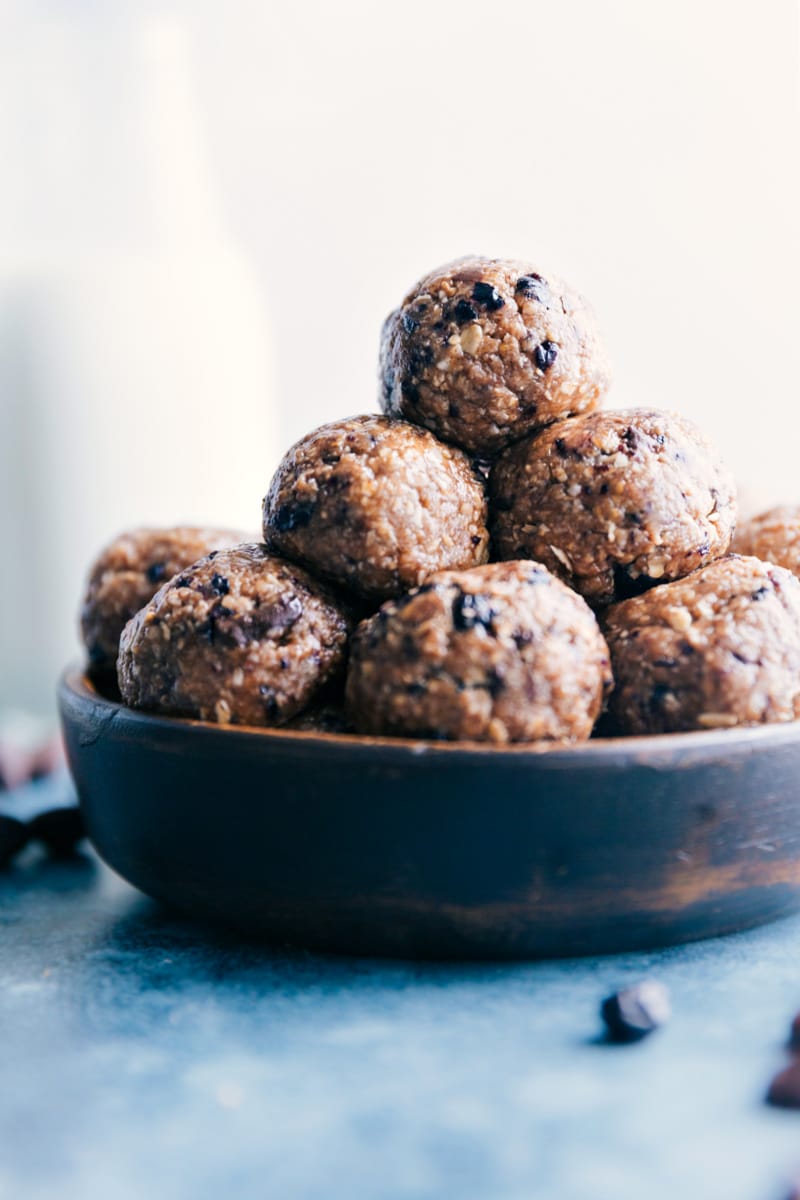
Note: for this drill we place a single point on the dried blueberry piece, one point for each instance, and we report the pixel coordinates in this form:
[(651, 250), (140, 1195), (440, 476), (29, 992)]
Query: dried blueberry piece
[(294, 515), (219, 585), (533, 287), (469, 611), (633, 1012), (784, 1091), (545, 354), (463, 311), (488, 296), (156, 572), (13, 836)]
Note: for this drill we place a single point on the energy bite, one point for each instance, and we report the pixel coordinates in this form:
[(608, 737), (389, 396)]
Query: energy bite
[(614, 502), (376, 506), (773, 536), (485, 350), (240, 637), (129, 572), (717, 649), (500, 653)]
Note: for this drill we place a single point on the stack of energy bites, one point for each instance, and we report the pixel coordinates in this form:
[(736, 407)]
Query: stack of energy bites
[(493, 559)]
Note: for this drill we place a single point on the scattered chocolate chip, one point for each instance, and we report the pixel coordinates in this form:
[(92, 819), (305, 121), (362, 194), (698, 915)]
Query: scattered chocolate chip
[(13, 836), (219, 585), (545, 354), (784, 1091), (156, 572), (794, 1034), (469, 611), (488, 296), (636, 1011), (59, 828), (463, 311), (533, 287), (294, 515)]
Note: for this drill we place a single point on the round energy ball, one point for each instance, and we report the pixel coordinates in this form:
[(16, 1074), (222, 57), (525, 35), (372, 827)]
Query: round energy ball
[(240, 637), (773, 536), (485, 350), (129, 572), (500, 653), (614, 502), (717, 649), (376, 506)]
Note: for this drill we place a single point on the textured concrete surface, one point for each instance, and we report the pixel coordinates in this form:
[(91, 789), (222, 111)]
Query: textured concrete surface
[(143, 1055)]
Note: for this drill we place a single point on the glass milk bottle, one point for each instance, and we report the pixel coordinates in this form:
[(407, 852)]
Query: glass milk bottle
[(135, 372)]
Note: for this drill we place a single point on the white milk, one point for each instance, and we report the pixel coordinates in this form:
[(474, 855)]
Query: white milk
[(135, 373)]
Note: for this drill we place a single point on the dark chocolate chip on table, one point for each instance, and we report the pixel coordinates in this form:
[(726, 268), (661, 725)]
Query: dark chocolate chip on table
[(13, 836), (636, 1011), (59, 828), (794, 1034), (784, 1091)]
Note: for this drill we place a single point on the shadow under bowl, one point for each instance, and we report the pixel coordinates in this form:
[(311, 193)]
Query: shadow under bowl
[(383, 846)]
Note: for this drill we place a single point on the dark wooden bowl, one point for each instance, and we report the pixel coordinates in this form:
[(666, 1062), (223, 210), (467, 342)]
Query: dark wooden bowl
[(395, 847)]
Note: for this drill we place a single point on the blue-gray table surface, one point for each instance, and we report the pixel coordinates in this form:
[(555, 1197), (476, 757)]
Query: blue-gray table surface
[(144, 1055)]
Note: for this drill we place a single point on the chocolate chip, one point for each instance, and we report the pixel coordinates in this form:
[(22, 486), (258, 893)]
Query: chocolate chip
[(561, 448), (410, 392), (183, 581), (219, 585), (545, 354), (632, 439), (469, 611), (415, 689), (296, 514), (784, 1091), (13, 836), (794, 1034), (453, 410), (603, 489), (533, 287), (156, 572), (658, 697), (633, 518), (463, 311), (410, 323), (760, 593), (633, 1012), (495, 683), (59, 828), (488, 296)]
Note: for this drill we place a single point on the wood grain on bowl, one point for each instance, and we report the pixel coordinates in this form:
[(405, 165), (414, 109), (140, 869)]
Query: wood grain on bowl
[(395, 847)]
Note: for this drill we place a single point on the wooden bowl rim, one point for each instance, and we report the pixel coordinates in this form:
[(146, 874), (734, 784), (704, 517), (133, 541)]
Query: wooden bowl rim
[(656, 749)]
